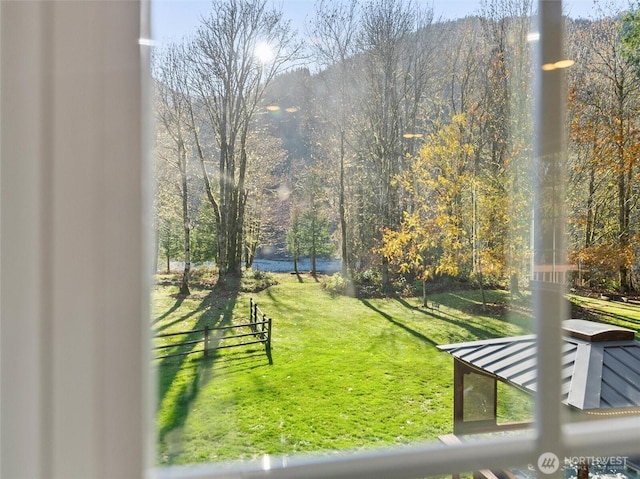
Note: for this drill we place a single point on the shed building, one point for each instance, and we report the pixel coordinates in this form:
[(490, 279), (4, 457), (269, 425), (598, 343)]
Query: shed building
[(600, 366), (600, 375)]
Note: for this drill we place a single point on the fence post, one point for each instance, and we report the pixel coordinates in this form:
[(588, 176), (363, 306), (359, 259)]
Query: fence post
[(255, 316), (206, 341), (267, 343), (252, 314)]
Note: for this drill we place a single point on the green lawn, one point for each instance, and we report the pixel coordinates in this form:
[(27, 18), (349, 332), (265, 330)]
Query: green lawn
[(346, 373), (626, 315)]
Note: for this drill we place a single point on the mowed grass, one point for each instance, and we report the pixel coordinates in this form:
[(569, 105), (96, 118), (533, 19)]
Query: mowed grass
[(626, 315), (346, 374)]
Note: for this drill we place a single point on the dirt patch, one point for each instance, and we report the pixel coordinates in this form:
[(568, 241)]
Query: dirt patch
[(597, 293), (499, 310), (578, 312)]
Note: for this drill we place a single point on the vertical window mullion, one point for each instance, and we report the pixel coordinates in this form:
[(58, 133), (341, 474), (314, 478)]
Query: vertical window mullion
[(549, 153)]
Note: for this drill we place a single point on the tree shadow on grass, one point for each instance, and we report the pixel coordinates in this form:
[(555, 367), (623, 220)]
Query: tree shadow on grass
[(390, 318), (512, 312), (169, 367), (246, 359), (478, 333), (276, 301), (171, 371), (182, 318), (592, 313), (169, 311)]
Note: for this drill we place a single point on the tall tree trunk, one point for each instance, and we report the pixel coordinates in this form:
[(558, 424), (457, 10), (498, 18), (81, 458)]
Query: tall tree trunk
[(225, 204), (209, 192), (156, 246), (234, 235), (589, 228), (386, 277), (314, 247), (424, 293), (343, 219), (184, 286), (623, 217)]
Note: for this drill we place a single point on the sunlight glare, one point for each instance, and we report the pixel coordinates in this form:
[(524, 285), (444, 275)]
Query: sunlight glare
[(264, 53), (266, 462), (559, 65)]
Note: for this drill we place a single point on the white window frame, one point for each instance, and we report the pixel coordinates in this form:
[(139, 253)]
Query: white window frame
[(75, 382)]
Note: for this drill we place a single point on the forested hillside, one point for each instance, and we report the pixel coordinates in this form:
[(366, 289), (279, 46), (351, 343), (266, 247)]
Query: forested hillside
[(396, 142)]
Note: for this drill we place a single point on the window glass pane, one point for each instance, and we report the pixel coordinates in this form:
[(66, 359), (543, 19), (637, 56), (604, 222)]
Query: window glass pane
[(603, 254), (345, 201), (514, 405), (479, 397)]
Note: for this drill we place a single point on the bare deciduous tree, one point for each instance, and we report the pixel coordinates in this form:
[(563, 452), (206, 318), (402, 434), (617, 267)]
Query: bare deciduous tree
[(609, 93), (237, 51), (334, 30), (393, 54), (174, 134)]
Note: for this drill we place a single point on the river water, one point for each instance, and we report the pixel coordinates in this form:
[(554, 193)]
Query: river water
[(324, 266)]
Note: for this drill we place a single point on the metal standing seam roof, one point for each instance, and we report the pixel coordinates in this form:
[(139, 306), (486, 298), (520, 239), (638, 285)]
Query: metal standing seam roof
[(600, 364)]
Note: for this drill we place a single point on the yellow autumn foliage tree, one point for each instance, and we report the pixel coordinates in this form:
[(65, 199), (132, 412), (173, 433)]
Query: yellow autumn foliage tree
[(433, 237)]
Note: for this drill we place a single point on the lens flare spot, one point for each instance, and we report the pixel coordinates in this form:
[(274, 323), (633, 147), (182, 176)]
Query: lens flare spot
[(264, 52)]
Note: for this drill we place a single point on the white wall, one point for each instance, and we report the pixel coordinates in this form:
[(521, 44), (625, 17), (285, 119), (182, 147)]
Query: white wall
[(73, 298)]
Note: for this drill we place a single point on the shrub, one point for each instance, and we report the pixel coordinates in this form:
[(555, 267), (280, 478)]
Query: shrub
[(255, 280), (406, 289), (338, 284), (367, 277), (205, 275)]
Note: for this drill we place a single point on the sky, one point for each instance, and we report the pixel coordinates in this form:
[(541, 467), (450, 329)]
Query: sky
[(171, 20)]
